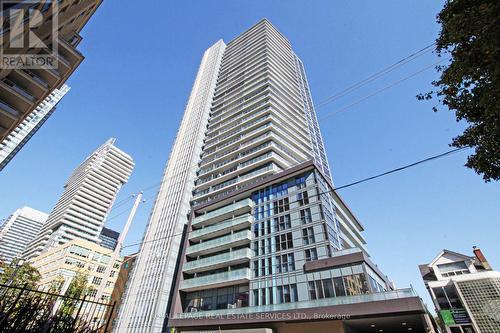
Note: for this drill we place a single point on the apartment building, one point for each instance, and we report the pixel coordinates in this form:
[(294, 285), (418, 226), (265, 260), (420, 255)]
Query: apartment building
[(16, 140), (88, 196), (247, 232), (25, 26), (18, 231), (63, 263)]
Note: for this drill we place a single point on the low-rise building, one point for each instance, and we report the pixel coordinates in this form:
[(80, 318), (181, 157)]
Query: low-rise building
[(119, 290), (79, 255), (465, 291)]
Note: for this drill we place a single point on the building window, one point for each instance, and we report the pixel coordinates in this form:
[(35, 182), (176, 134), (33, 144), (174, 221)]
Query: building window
[(328, 288), (312, 290), (101, 269), (305, 215), (282, 222), (284, 241), (255, 268), (454, 268), (447, 297), (287, 293), (308, 236), (311, 254), (281, 206), (96, 280), (285, 263), (338, 282), (303, 198)]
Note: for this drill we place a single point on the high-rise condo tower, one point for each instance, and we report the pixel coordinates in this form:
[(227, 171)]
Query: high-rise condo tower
[(246, 232), (86, 201)]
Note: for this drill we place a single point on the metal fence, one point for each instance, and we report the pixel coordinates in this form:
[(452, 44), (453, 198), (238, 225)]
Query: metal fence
[(39, 311)]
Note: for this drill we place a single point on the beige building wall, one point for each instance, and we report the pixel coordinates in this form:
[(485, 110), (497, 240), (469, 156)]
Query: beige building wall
[(76, 256)]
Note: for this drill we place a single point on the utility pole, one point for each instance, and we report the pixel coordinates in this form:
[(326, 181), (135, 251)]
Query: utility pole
[(117, 252)]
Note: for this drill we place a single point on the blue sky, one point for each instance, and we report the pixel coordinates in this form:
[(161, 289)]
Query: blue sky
[(141, 62)]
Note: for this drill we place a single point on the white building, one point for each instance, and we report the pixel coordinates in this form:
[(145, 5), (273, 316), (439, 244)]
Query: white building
[(18, 231), (86, 201), (29, 126), (465, 291), (245, 217)]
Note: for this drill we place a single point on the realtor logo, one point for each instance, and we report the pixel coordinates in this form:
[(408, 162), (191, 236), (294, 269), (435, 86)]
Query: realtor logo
[(29, 34)]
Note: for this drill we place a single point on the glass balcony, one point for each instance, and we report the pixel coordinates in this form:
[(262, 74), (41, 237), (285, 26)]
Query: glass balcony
[(221, 243), (215, 230), (224, 212), (218, 261), (216, 280), (382, 296)]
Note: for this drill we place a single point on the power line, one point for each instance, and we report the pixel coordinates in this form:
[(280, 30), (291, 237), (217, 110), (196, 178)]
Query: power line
[(382, 89), (375, 76), (428, 159), (425, 160)]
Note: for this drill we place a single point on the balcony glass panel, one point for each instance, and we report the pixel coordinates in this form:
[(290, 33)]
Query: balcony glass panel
[(219, 278), (221, 226), (222, 211), (218, 259), (220, 242), (382, 296)]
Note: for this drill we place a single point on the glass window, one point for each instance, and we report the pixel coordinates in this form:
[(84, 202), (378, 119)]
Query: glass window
[(339, 286), (303, 198), (270, 291), (294, 295), (308, 235), (319, 289), (284, 241), (305, 215), (454, 268), (328, 288), (256, 296), (312, 290), (286, 294), (279, 295), (311, 254)]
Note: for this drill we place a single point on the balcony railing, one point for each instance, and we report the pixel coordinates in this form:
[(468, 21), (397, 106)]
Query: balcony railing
[(212, 230), (246, 204), (382, 296), (220, 243), (216, 280), (220, 260)]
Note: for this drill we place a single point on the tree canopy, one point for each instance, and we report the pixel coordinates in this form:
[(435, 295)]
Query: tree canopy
[(17, 274), (470, 84)]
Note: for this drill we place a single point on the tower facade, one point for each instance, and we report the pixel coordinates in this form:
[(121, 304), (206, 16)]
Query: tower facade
[(18, 231), (29, 126), (87, 198), (24, 87), (260, 229)]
